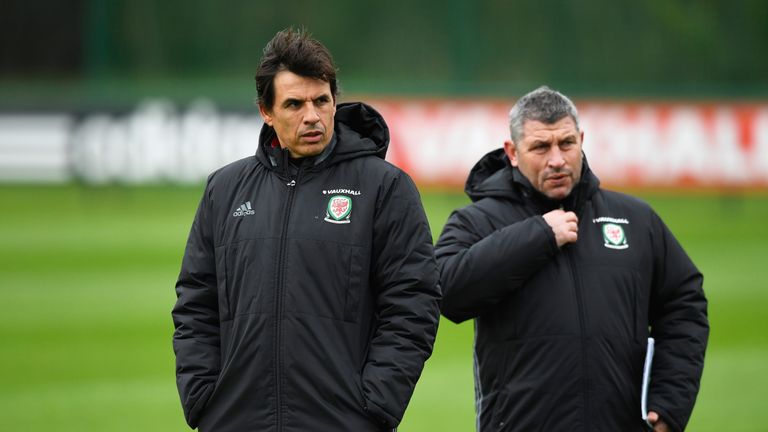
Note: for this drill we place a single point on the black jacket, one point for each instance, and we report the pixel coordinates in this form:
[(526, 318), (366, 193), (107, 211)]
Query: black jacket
[(560, 334), (307, 298)]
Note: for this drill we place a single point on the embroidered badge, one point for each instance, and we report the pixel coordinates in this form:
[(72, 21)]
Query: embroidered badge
[(614, 236), (339, 209)]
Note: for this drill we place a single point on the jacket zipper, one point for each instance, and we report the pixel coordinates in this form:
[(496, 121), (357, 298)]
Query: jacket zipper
[(582, 327), (277, 343)]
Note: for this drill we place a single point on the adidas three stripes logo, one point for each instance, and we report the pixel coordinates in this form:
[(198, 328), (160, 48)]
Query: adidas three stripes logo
[(244, 210)]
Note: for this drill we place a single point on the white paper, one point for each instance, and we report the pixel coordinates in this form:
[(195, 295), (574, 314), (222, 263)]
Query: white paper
[(646, 380)]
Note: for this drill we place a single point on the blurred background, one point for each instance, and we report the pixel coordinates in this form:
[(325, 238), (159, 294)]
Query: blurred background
[(113, 112)]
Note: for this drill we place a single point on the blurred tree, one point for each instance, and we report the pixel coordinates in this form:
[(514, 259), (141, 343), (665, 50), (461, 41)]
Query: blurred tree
[(592, 47)]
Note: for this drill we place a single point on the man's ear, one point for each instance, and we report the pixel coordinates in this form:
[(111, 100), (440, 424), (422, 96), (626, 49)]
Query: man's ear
[(265, 115), (511, 152)]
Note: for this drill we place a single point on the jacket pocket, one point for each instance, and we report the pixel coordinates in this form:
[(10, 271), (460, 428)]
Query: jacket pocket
[(496, 397), (221, 283), (498, 421), (356, 284), (194, 413)]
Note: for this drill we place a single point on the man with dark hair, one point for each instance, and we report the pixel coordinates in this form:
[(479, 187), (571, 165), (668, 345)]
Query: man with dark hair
[(565, 282), (308, 294)]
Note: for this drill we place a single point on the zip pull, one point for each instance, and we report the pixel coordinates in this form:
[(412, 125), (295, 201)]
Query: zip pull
[(291, 183)]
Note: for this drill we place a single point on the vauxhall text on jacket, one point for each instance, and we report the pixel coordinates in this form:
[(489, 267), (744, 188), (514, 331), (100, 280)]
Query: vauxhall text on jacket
[(561, 333), (308, 297)]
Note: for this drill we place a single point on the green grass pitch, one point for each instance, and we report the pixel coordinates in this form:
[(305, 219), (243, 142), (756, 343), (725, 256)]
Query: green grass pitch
[(86, 289)]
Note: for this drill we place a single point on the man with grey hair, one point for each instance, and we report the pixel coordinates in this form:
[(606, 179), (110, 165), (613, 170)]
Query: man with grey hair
[(566, 282)]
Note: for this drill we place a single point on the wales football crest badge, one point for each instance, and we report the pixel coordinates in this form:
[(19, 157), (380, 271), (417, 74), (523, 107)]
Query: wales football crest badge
[(614, 236), (339, 209)]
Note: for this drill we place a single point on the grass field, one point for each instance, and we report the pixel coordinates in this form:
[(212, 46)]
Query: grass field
[(86, 288)]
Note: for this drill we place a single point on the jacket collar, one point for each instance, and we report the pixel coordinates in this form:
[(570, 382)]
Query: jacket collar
[(494, 176), (359, 130)]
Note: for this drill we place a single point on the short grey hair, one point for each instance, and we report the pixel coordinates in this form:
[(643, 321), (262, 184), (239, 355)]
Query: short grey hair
[(543, 104)]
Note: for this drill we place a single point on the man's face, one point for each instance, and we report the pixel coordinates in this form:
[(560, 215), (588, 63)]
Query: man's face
[(549, 156), (302, 114)]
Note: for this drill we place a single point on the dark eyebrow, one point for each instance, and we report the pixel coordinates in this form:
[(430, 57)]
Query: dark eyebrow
[(290, 101)]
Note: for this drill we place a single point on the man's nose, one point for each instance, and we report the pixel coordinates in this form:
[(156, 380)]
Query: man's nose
[(556, 158), (310, 115)]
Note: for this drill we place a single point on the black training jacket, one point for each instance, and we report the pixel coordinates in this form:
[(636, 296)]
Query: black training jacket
[(307, 298), (560, 334)]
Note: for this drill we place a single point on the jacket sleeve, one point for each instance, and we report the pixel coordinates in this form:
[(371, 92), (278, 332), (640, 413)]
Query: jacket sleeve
[(405, 276), (196, 319), (478, 270), (678, 321)]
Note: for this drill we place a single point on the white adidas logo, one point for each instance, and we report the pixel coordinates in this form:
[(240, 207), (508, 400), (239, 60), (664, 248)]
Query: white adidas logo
[(244, 210)]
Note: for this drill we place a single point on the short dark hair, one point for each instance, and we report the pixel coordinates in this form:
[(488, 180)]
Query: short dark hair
[(295, 51), (543, 104)]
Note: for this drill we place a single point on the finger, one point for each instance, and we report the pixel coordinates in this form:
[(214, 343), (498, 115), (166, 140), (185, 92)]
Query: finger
[(554, 212), (653, 417), (553, 218), (661, 426)]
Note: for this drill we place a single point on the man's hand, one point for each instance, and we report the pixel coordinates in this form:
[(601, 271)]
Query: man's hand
[(564, 224), (658, 424)]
